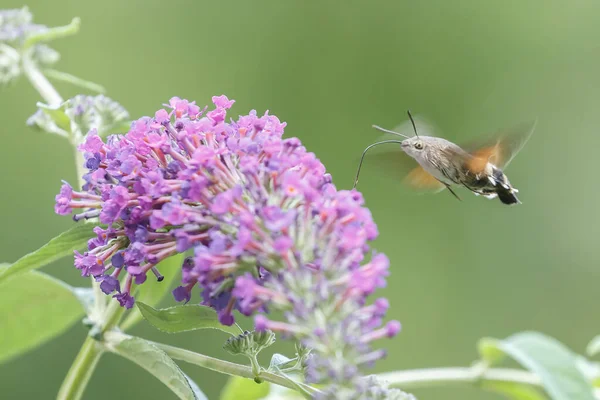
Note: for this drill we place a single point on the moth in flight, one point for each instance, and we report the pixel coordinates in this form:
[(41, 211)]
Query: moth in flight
[(442, 164)]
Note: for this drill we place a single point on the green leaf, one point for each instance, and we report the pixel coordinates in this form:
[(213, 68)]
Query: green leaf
[(488, 350), (34, 309), (74, 80), (183, 318), (514, 391), (50, 34), (302, 388), (57, 114), (554, 363), (195, 388), (280, 361), (155, 361), (594, 347), (117, 127), (61, 246), (589, 369), (244, 388), (152, 292)]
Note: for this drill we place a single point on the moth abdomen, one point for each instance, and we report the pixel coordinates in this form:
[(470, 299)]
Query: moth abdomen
[(507, 196), (504, 190)]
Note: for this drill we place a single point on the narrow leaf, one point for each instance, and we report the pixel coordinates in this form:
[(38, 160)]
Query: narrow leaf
[(152, 292), (155, 361), (183, 318), (50, 34), (280, 361), (244, 388), (61, 246), (303, 389), (74, 80), (490, 351), (514, 391), (34, 309), (589, 369), (57, 115), (554, 363), (594, 347), (195, 388)]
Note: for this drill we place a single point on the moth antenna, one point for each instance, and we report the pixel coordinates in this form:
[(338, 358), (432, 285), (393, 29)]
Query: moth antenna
[(365, 152), (388, 131), (413, 122)]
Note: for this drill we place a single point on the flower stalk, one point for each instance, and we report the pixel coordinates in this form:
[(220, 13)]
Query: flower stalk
[(228, 368), (81, 371), (39, 81), (461, 376)]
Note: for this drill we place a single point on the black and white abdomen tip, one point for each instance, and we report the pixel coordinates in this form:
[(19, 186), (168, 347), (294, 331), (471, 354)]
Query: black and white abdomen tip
[(506, 193)]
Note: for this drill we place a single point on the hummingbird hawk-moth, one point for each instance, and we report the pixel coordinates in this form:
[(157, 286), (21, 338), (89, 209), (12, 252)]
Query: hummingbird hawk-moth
[(441, 163)]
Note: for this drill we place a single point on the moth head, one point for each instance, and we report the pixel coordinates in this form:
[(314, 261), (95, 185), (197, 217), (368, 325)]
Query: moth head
[(415, 146)]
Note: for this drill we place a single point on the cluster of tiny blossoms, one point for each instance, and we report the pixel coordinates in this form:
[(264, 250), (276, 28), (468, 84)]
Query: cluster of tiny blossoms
[(15, 27), (267, 228)]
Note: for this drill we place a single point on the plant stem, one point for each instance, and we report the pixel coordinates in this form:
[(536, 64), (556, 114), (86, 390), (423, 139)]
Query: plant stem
[(85, 363), (417, 378), (54, 33), (74, 80), (81, 370), (229, 368), (40, 82), (458, 376)]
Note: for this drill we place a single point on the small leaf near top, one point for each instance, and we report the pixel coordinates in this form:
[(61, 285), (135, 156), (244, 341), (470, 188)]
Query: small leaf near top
[(183, 318)]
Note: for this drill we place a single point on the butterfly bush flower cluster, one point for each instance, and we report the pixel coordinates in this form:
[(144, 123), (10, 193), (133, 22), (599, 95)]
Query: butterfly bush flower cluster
[(15, 27), (266, 229)]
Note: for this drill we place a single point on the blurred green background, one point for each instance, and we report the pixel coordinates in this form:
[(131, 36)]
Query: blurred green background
[(460, 271)]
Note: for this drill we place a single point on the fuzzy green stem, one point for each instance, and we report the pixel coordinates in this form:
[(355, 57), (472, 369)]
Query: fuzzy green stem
[(40, 82), (81, 371), (53, 33), (418, 378), (229, 368), (255, 368), (113, 315), (460, 376), (84, 364), (74, 80)]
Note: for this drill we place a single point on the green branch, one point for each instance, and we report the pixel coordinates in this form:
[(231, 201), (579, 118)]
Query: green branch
[(74, 80), (81, 371), (229, 368), (460, 376), (40, 82), (53, 33)]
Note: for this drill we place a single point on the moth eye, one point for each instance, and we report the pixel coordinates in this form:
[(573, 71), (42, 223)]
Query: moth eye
[(419, 146)]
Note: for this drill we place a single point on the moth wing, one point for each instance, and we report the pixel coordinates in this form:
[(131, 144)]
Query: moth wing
[(501, 148), (422, 180)]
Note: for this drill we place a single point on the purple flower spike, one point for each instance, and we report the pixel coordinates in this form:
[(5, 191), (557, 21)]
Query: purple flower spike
[(261, 323), (109, 284), (181, 294), (393, 328), (125, 300), (268, 229)]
